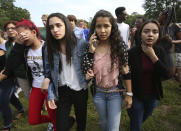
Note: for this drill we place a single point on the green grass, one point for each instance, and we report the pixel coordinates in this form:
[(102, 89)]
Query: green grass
[(166, 117)]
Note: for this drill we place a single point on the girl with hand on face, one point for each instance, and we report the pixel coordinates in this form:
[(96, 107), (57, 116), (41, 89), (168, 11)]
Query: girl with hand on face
[(106, 64), (28, 50), (148, 67), (63, 58)]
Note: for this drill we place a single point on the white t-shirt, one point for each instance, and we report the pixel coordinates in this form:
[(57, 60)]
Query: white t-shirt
[(68, 75), (35, 62), (124, 29)]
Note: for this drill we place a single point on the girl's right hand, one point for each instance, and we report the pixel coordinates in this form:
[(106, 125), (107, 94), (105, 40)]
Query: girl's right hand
[(21, 38), (92, 40), (51, 104)]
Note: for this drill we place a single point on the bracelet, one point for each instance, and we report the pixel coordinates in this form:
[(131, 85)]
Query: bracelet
[(129, 93)]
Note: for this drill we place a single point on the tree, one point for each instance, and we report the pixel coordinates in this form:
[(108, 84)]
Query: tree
[(154, 7), (8, 11)]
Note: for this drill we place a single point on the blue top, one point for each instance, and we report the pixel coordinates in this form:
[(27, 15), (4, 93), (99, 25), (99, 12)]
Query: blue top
[(86, 33), (79, 33)]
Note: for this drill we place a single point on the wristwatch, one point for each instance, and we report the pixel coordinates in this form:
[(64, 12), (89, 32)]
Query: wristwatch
[(129, 93)]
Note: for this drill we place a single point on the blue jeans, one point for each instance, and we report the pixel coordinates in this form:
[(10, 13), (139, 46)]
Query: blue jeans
[(140, 111), (108, 106), (6, 90)]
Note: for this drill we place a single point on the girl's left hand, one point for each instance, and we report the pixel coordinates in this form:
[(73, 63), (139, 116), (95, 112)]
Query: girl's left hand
[(125, 69), (127, 102)]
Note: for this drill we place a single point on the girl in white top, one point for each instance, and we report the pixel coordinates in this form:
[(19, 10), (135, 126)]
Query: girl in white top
[(28, 37)]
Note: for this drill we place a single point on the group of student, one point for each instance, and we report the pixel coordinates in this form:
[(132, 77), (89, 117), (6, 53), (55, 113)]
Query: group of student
[(59, 70)]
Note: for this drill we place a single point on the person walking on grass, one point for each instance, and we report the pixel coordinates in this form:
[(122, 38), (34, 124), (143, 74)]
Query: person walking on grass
[(167, 19), (149, 67), (7, 86), (28, 49), (63, 58), (106, 63)]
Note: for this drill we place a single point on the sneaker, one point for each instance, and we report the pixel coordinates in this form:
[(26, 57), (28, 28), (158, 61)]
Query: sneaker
[(17, 92), (50, 127)]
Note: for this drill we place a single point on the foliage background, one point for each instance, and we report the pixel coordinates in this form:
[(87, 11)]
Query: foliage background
[(8, 11)]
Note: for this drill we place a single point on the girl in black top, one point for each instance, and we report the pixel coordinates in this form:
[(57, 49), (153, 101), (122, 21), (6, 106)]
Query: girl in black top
[(148, 67)]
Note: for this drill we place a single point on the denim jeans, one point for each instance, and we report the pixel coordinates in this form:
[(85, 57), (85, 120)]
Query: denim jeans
[(6, 90), (141, 110), (108, 106)]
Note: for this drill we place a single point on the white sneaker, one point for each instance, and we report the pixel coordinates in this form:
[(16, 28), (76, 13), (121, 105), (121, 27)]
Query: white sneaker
[(50, 127), (17, 92)]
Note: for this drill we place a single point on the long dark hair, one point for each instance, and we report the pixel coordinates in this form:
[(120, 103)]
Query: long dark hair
[(53, 45), (116, 42)]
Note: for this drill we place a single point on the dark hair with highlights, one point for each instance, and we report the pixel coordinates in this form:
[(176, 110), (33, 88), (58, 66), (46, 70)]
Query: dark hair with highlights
[(116, 43), (30, 25), (53, 45)]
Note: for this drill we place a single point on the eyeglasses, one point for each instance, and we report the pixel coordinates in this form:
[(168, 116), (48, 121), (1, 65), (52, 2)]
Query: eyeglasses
[(8, 28)]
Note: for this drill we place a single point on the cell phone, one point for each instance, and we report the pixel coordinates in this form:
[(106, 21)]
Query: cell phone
[(95, 43), (96, 35)]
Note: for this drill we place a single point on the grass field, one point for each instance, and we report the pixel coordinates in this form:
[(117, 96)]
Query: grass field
[(166, 117)]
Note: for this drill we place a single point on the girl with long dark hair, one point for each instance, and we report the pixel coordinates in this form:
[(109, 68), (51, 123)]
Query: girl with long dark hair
[(106, 62), (63, 58)]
